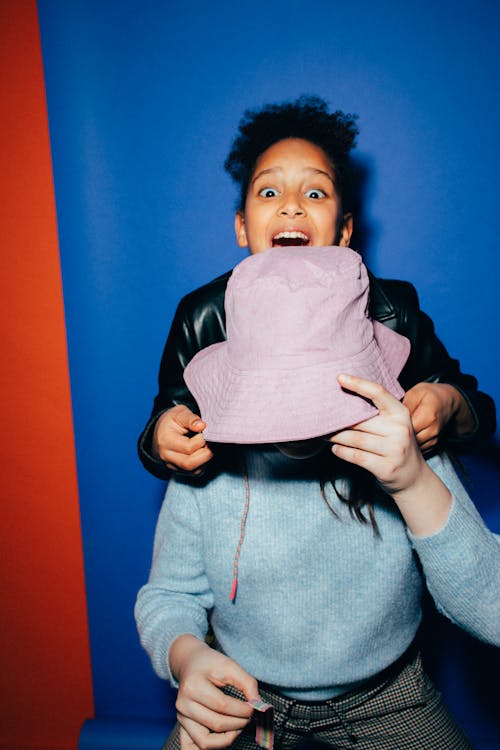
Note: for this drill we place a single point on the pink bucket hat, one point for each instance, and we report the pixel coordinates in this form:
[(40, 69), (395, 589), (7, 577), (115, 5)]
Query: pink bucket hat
[(296, 318)]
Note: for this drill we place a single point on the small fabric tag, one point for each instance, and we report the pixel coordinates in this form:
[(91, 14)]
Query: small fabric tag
[(264, 733)]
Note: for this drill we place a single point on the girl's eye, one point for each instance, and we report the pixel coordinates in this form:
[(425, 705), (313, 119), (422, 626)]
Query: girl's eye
[(315, 193), (268, 192)]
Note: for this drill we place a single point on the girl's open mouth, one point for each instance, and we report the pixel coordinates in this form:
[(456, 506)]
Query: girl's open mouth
[(285, 239)]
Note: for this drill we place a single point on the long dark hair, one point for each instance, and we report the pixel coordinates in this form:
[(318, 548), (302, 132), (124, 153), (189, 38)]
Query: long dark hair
[(362, 489)]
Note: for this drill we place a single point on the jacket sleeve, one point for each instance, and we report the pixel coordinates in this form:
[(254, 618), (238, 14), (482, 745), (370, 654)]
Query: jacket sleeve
[(179, 349), (198, 321), (429, 361), (461, 563)]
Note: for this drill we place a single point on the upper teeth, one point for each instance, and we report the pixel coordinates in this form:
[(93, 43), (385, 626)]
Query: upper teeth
[(290, 236)]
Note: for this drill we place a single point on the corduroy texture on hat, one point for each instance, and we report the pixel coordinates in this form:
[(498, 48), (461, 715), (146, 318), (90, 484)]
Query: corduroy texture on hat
[(296, 318)]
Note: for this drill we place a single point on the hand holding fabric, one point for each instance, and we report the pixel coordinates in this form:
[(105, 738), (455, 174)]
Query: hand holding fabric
[(210, 718), (174, 443), (386, 446), (437, 408)]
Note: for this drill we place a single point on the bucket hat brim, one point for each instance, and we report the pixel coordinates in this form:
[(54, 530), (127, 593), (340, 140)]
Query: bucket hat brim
[(269, 406)]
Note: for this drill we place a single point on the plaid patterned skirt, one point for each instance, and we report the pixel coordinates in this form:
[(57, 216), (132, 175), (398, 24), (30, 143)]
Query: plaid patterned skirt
[(398, 710)]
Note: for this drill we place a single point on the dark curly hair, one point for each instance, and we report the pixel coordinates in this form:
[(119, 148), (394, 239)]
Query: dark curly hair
[(307, 118)]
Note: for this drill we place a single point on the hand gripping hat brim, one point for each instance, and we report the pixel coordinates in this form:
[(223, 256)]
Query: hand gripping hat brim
[(296, 318)]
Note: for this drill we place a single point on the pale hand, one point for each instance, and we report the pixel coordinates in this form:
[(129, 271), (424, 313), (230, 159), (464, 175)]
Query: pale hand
[(209, 718), (385, 445)]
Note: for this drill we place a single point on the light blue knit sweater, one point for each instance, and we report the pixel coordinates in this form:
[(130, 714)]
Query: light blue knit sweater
[(322, 602)]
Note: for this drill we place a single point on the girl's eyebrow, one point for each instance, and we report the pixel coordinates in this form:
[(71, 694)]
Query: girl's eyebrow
[(271, 170), (312, 170)]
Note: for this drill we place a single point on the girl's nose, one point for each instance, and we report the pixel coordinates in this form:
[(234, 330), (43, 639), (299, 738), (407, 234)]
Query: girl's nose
[(291, 206)]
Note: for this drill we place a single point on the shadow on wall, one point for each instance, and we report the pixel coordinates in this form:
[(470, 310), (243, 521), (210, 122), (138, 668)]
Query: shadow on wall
[(366, 232), (481, 476)]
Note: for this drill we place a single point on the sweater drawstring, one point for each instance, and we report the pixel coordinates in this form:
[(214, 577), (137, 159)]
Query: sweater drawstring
[(234, 587)]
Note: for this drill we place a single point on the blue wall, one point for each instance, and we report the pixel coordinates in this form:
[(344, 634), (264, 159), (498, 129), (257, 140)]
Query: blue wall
[(143, 100)]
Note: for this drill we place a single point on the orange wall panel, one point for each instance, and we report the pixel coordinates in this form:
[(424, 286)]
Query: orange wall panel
[(45, 682)]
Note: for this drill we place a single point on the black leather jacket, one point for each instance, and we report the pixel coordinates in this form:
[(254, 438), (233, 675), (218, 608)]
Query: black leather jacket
[(200, 321)]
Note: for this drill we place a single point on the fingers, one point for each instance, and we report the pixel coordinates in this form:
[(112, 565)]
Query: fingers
[(194, 736), (179, 421), (174, 441), (429, 412), (219, 719), (423, 413), (192, 464), (244, 682), (378, 435), (357, 456), (177, 443), (379, 425), (204, 701), (427, 428), (427, 440), (382, 399), (186, 419), (190, 459), (362, 440), (185, 741), (213, 719)]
